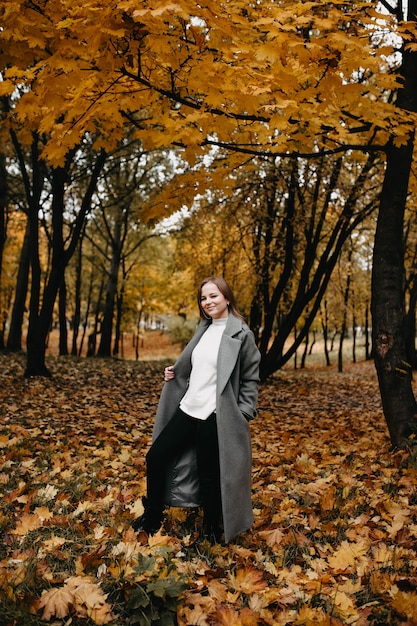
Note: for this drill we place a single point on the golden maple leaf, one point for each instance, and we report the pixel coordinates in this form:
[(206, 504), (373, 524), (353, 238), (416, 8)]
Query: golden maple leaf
[(90, 601), (248, 580), (347, 555), (50, 545), (43, 513), (406, 604), (344, 605), (27, 523), (56, 603), (226, 616), (272, 537), (381, 582), (197, 608)]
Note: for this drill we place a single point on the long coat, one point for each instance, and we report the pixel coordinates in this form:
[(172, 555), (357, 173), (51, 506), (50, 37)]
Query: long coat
[(236, 398)]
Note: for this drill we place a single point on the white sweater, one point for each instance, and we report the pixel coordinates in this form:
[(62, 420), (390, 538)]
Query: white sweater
[(200, 398)]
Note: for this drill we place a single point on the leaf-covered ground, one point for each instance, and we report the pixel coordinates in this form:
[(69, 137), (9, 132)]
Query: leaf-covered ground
[(335, 533)]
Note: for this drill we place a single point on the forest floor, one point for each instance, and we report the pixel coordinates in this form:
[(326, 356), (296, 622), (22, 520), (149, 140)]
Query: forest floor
[(335, 533), (153, 345)]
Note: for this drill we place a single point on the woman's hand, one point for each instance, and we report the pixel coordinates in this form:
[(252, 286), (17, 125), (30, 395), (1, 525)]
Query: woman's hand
[(168, 373)]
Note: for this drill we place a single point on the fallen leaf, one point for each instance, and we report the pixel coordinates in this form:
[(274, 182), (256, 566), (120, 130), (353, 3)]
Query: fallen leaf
[(56, 603), (248, 580)]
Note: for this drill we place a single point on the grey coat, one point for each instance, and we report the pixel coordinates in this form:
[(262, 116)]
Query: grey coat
[(237, 393)]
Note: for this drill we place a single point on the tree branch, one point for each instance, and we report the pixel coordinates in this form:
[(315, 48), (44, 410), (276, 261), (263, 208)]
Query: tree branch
[(198, 106), (293, 154)]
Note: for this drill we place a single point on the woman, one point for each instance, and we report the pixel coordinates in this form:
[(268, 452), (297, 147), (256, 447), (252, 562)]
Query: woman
[(201, 451)]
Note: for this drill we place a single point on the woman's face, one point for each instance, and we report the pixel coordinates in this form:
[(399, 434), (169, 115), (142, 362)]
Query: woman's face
[(213, 302)]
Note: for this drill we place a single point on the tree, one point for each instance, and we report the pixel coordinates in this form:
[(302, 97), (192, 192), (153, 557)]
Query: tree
[(280, 227), (3, 208), (388, 312), (14, 337), (410, 245), (41, 310), (28, 192), (76, 318), (281, 77), (115, 229)]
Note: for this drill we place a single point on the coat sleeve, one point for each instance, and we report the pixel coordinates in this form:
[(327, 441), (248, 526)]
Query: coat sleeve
[(249, 375)]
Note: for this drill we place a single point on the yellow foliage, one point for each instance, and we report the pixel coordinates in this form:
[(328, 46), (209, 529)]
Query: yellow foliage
[(286, 72)]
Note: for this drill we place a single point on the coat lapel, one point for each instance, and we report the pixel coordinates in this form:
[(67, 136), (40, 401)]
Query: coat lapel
[(228, 352)]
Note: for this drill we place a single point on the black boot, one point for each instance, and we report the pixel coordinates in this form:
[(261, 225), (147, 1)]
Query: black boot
[(212, 517), (150, 521), (212, 531)]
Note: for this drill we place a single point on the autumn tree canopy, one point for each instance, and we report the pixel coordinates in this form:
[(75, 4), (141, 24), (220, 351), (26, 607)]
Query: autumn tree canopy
[(294, 76)]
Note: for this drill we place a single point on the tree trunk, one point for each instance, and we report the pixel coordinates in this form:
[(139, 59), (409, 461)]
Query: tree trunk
[(14, 339), (410, 327), (344, 330), (320, 256), (92, 337), (390, 355), (368, 355), (305, 351), (33, 340), (63, 329), (40, 322), (353, 337), (119, 315), (104, 348), (76, 320), (325, 329), (87, 312), (3, 205), (388, 307), (111, 291), (41, 318), (340, 350)]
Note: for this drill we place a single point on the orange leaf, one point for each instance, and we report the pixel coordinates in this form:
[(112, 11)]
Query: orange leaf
[(225, 616), (248, 580), (26, 524), (273, 537), (406, 604)]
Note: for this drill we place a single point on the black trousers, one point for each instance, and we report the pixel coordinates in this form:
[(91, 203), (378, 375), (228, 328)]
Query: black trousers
[(181, 431)]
